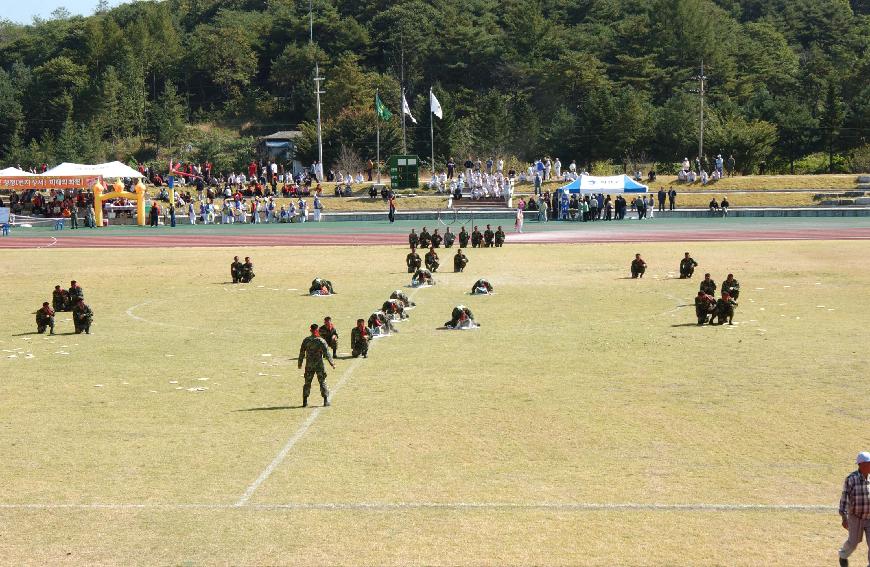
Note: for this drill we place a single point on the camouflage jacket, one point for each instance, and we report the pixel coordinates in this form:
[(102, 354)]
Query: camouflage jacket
[(313, 350)]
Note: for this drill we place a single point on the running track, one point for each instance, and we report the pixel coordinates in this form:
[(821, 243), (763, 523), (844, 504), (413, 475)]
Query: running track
[(166, 240)]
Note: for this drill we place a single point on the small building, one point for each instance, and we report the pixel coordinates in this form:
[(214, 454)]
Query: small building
[(281, 147)]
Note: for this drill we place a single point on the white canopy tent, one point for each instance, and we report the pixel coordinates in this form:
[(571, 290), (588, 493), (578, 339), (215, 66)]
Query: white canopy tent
[(111, 169), (14, 172)]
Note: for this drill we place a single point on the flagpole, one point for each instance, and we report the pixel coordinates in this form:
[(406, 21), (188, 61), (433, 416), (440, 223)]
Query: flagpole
[(404, 141), (432, 131), (378, 139)]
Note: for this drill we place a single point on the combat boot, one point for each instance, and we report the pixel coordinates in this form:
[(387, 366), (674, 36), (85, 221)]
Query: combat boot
[(305, 401), (326, 402), (844, 562)]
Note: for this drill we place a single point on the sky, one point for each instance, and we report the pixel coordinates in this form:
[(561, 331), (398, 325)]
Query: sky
[(23, 11)]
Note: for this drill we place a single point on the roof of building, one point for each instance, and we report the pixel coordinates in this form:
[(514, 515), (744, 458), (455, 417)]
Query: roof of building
[(283, 135)]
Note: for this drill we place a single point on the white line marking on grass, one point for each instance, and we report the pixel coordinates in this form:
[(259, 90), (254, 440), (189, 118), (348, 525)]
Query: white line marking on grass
[(130, 313), (303, 429), (452, 506)]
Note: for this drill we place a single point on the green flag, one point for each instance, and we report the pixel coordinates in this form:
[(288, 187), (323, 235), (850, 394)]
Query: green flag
[(381, 109)]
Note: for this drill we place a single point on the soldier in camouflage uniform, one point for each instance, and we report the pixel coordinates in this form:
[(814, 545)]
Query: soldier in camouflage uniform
[(359, 339), (402, 297), (460, 316), (246, 272), (432, 260), (724, 309), (437, 239), (425, 238), (732, 287), (394, 309), (481, 287), (708, 286), (638, 267), (705, 306), (45, 319), (413, 239), (499, 237), (687, 266), (312, 351), (488, 237), (476, 238), (413, 261), (422, 277), (82, 317), (463, 238), (75, 292), (329, 333), (449, 238), (380, 324), (319, 286), (60, 299), (460, 260), (236, 269)]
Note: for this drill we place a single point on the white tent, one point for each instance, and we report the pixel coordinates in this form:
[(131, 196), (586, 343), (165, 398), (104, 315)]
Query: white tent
[(610, 184), (14, 172), (111, 169)]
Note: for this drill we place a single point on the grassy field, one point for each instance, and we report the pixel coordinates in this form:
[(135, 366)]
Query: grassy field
[(527, 441)]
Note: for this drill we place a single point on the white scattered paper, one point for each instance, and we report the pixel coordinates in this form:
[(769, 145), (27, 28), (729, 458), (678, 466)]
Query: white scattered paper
[(61, 352), (173, 381), (98, 385)]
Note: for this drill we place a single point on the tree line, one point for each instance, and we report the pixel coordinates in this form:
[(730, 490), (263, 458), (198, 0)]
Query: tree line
[(591, 80)]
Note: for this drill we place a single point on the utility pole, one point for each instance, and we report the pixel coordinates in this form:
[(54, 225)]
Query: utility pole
[(318, 173), (402, 85), (702, 80)]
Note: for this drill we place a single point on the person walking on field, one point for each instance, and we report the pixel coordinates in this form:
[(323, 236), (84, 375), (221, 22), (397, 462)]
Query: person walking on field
[(313, 350), (855, 508)]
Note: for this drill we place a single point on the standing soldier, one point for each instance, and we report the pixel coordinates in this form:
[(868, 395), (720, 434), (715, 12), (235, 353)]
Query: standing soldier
[(312, 351), (463, 238), (499, 237), (329, 333), (638, 267), (476, 238), (687, 266), (449, 238), (708, 286), (488, 236), (413, 261), (460, 260), (236, 269), (59, 299), (432, 260), (82, 317), (45, 318), (436, 239), (425, 238), (359, 339), (413, 239), (731, 286)]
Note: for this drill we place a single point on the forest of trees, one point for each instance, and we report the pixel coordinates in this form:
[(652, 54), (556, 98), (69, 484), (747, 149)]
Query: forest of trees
[(592, 80)]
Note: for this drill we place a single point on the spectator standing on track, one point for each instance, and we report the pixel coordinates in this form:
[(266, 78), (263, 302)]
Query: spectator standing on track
[(855, 508), (661, 195), (392, 213), (672, 198)]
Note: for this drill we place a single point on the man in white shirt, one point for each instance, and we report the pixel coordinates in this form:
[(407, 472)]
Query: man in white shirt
[(557, 168)]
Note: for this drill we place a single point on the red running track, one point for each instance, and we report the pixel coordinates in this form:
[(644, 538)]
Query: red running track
[(549, 237)]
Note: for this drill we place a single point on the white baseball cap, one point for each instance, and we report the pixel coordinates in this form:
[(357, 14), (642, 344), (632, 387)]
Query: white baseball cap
[(863, 457)]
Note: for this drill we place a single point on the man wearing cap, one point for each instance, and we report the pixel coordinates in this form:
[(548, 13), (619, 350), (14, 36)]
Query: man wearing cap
[(855, 508), (312, 351)]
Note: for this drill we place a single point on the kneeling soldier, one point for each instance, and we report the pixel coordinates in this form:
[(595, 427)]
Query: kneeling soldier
[(704, 307), (488, 237), (320, 286), (329, 333), (731, 286), (312, 351), (499, 237), (359, 339), (82, 317), (724, 309), (461, 317), (422, 277), (460, 260), (60, 299), (394, 309), (638, 267), (403, 298), (687, 266), (708, 286), (413, 261), (236, 269), (476, 238), (45, 318), (432, 260), (449, 238), (246, 272)]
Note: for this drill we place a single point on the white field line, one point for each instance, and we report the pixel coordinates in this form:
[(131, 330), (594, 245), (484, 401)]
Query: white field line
[(300, 433), (450, 506)]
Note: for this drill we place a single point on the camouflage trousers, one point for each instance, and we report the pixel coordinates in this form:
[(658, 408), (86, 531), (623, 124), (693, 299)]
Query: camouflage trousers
[(310, 371)]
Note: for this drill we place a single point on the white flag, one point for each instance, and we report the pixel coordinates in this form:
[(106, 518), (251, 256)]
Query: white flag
[(407, 109), (435, 106)]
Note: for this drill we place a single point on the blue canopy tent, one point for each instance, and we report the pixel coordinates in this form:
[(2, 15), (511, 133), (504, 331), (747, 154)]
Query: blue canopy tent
[(607, 185)]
